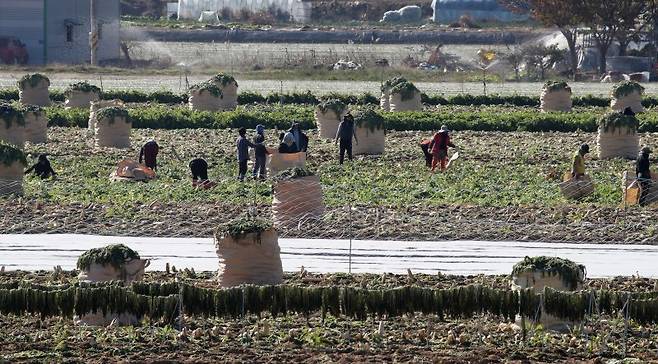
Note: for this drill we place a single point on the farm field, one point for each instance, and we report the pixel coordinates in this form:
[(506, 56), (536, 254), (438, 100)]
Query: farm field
[(235, 56), (419, 338), (176, 83), (500, 181)]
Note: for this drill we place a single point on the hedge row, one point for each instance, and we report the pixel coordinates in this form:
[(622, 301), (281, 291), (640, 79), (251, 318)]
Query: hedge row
[(246, 98), (162, 117)]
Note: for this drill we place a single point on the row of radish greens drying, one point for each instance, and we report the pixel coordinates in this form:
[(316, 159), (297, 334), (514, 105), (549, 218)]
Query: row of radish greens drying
[(162, 302)]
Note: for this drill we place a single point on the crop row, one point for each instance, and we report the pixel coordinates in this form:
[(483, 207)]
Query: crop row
[(358, 303), (246, 98), (275, 116)]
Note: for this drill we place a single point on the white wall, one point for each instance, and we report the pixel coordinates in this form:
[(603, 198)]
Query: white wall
[(191, 9)]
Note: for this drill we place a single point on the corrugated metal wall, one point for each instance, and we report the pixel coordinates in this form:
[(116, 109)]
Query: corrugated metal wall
[(24, 19), (76, 13)]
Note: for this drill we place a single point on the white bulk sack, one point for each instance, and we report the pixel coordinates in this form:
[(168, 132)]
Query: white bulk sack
[(36, 126), (632, 100), (538, 280), (556, 100), (203, 100), (254, 258), (12, 132), (296, 199), (328, 122), (370, 142), (131, 270), (37, 94), (94, 106), (277, 162), (113, 132), (80, 99), (412, 104), (618, 142), (11, 178)]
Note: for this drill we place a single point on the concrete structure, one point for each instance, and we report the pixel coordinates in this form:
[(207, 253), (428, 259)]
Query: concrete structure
[(448, 11), (57, 31), (300, 11)]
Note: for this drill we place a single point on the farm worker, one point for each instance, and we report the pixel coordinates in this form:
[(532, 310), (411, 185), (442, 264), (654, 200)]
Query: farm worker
[(288, 144), (425, 146), (199, 168), (643, 173), (301, 140), (578, 168), (42, 168), (439, 147), (344, 134), (149, 154), (242, 146), (260, 153)]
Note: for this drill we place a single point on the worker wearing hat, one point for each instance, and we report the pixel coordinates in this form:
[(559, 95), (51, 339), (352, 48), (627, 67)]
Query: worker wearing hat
[(439, 148), (643, 173), (578, 168)]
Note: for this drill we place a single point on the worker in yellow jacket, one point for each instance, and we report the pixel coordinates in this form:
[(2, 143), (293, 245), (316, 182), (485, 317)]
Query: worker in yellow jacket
[(578, 168)]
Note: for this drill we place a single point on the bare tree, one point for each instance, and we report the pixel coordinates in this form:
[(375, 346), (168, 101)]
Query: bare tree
[(515, 58), (542, 57), (566, 15)]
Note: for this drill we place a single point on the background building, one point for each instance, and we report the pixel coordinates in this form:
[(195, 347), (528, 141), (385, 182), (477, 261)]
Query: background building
[(448, 11), (57, 31)]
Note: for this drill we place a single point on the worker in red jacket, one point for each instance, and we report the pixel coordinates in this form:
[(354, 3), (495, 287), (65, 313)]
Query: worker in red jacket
[(439, 147)]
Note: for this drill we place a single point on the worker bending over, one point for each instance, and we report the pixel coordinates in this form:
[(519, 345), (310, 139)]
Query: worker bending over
[(42, 168)]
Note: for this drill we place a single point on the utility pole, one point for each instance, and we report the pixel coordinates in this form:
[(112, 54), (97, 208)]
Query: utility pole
[(93, 34)]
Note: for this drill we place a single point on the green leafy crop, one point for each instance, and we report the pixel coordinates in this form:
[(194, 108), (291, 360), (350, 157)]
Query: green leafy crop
[(223, 79), (209, 87), (32, 79), (570, 272), (241, 226), (11, 113), (334, 105), (293, 173), (390, 83), (617, 120), (82, 87), (406, 90), (369, 118), (115, 255), (551, 86), (10, 154), (625, 88), (111, 113)]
